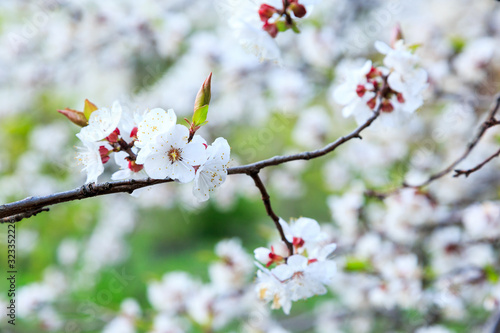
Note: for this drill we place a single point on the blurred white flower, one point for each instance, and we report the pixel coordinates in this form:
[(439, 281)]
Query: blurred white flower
[(404, 78), (482, 220), (355, 92), (171, 294)]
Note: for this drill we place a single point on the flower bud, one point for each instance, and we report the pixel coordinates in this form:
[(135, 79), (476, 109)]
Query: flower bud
[(271, 29), (204, 94), (76, 117), (134, 166), (374, 72), (113, 137), (298, 9), (360, 90), (266, 12), (133, 133), (400, 97), (372, 103), (104, 154), (396, 34), (387, 106)]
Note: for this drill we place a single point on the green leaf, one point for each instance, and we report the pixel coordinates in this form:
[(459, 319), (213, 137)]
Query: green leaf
[(89, 108), (357, 265), (200, 115), (295, 28), (282, 26), (414, 47), (491, 275)]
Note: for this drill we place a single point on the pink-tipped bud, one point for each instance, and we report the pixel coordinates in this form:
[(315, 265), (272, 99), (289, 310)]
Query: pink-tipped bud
[(298, 9), (372, 103), (266, 12), (104, 152), (298, 242), (396, 34), (400, 97), (114, 136), (76, 117), (271, 29), (360, 90), (134, 166), (387, 106), (373, 73), (133, 133)]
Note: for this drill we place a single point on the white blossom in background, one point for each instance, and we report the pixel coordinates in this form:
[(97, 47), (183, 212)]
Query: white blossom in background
[(404, 77), (303, 274), (130, 311), (246, 26), (472, 62), (231, 272), (164, 323), (171, 294), (482, 220), (433, 329), (355, 92)]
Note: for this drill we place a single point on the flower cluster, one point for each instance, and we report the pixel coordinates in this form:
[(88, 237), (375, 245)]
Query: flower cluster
[(151, 144), (299, 275), (256, 23), (276, 20), (396, 86)]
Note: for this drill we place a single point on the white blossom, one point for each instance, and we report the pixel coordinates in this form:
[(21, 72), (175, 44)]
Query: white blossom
[(90, 157), (171, 156), (102, 122), (212, 172)]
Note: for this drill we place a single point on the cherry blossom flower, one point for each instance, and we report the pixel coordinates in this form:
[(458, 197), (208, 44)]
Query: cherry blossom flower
[(90, 157), (171, 294), (482, 220), (102, 123), (128, 169), (355, 92), (171, 156), (270, 289), (154, 122), (212, 173), (404, 78)]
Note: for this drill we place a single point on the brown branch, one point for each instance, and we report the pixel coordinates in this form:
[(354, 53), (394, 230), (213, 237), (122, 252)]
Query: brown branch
[(490, 122), (459, 173), (22, 216), (128, 186), (32, 204), (269, 209)]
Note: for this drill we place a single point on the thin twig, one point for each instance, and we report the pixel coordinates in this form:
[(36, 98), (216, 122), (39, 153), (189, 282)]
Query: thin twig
[(458, 173), (269, 209), (490, 122)]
